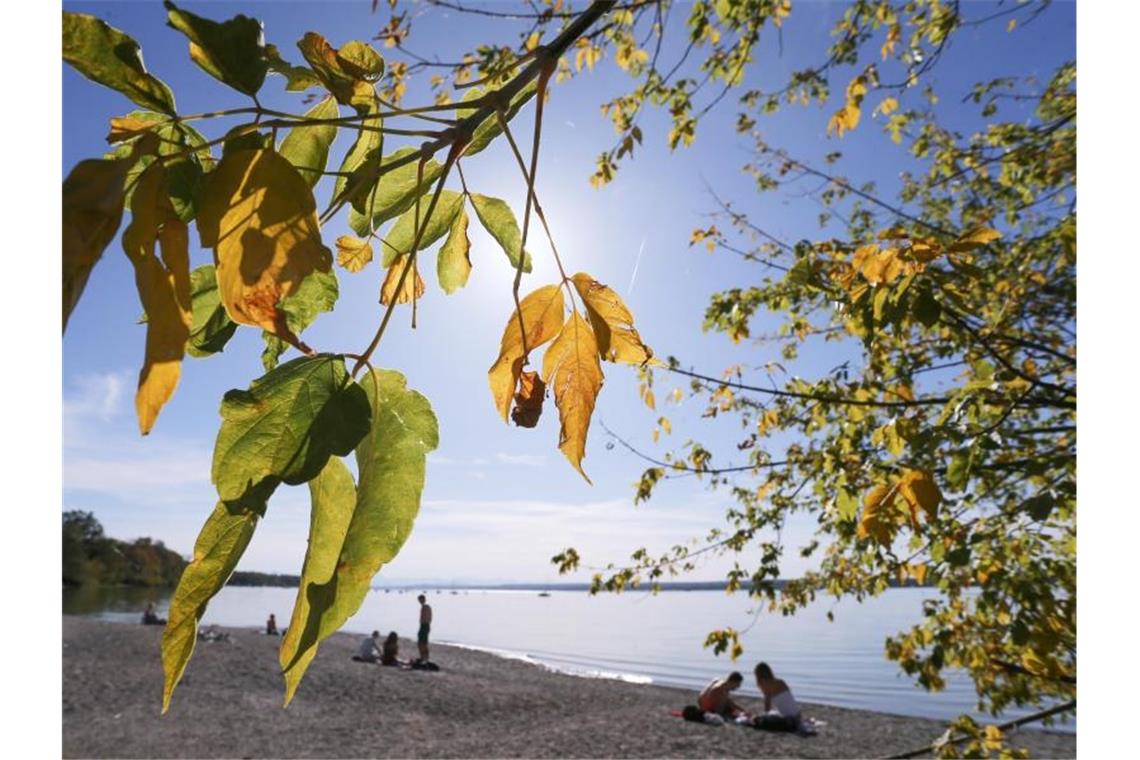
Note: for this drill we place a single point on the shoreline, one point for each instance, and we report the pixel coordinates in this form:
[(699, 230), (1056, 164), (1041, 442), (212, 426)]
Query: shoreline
[(480, 704)]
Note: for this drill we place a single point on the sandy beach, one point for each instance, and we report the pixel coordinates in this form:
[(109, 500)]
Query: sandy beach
[(478, 705)]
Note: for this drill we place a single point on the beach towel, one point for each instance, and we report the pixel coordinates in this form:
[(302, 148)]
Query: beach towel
[(768, 722)]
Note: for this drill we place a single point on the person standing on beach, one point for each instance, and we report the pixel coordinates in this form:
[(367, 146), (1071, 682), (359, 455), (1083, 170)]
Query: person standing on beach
[(425, 627), (271, 625)]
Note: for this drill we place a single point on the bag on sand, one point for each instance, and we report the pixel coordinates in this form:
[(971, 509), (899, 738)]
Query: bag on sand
[(693, 713)]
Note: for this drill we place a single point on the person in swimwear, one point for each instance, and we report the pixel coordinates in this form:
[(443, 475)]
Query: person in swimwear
[(715, 699)]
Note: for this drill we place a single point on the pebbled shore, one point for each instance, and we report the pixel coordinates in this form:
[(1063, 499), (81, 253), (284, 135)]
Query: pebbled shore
[(479, 705)]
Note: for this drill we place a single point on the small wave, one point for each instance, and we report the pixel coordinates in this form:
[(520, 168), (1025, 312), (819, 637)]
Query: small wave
[(570, 670)]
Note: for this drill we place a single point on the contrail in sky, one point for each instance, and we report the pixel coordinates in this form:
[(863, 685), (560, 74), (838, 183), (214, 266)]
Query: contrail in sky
[(636, 263)]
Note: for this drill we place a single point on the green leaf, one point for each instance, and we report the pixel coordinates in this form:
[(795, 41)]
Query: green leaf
[(297, 78), (231, 51), (333, 494), (392, 461), (359, 59), (108, 56), (926, 308), (361, 158), (395, 193), (800, 274), (307, 148), (454, 264), (285, 427), (220, 545), (93, 199), (490, 128), (400, 238), (211, 328), (1039, 507), (185, 174), (317, 294), (498, 219), (243, 137)]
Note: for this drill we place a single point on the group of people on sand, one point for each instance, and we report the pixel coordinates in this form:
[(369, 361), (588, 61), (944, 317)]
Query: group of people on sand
[(781, 711), (388, 653)]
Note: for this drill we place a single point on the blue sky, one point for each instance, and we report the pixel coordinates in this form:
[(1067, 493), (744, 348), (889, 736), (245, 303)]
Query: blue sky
[(499, 500)]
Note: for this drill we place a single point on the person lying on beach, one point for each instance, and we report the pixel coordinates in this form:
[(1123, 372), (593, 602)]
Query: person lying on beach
[(780, 707), (714, 697), (212, 633), (390, 655), (369, 650), (149, 617)]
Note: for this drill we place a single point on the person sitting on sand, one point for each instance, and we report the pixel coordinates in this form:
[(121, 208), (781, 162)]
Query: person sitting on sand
[(271, 625), (149, 617), (778, 698), (369, 650), (390, 656), (714, 697)]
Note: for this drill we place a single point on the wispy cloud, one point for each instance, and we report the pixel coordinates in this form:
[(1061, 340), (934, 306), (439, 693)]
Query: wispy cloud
[(515, 538), (97, 395), (527, 460)]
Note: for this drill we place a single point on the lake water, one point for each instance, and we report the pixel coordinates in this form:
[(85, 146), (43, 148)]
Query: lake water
[(635, 636)]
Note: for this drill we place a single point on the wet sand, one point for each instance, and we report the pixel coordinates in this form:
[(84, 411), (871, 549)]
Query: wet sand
[(478, 705)]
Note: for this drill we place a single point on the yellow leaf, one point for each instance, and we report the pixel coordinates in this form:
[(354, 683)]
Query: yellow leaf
[(888, 106), (542, 312), (878, 520), (92, 209), (975, 238), (528, 400), (164, 290), (259, 216), (572, 368), (612, 322), (883, 267), (353, 253), (856, 89), (413, 284), (993, 734), (920, 491), (126, 127), (918, 572), (925, 251), (844, 120), (647, 396)]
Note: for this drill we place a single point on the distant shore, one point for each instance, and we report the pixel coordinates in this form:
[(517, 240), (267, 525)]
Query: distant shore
[(478, 705)]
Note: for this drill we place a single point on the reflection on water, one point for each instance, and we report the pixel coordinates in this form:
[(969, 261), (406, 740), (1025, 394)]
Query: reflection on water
[(635, 636), (117, 603)]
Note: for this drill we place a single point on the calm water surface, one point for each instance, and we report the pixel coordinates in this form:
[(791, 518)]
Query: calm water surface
[(635, 636)]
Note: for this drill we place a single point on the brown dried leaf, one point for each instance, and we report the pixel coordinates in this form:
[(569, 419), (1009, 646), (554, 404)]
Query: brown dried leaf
[(528, 400)]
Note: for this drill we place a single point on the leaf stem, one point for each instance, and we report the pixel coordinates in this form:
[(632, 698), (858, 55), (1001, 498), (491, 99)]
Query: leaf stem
[(452, 156)]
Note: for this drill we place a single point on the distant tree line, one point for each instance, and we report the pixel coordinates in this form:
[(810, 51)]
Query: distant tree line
[(249, 578), (91, 557)]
